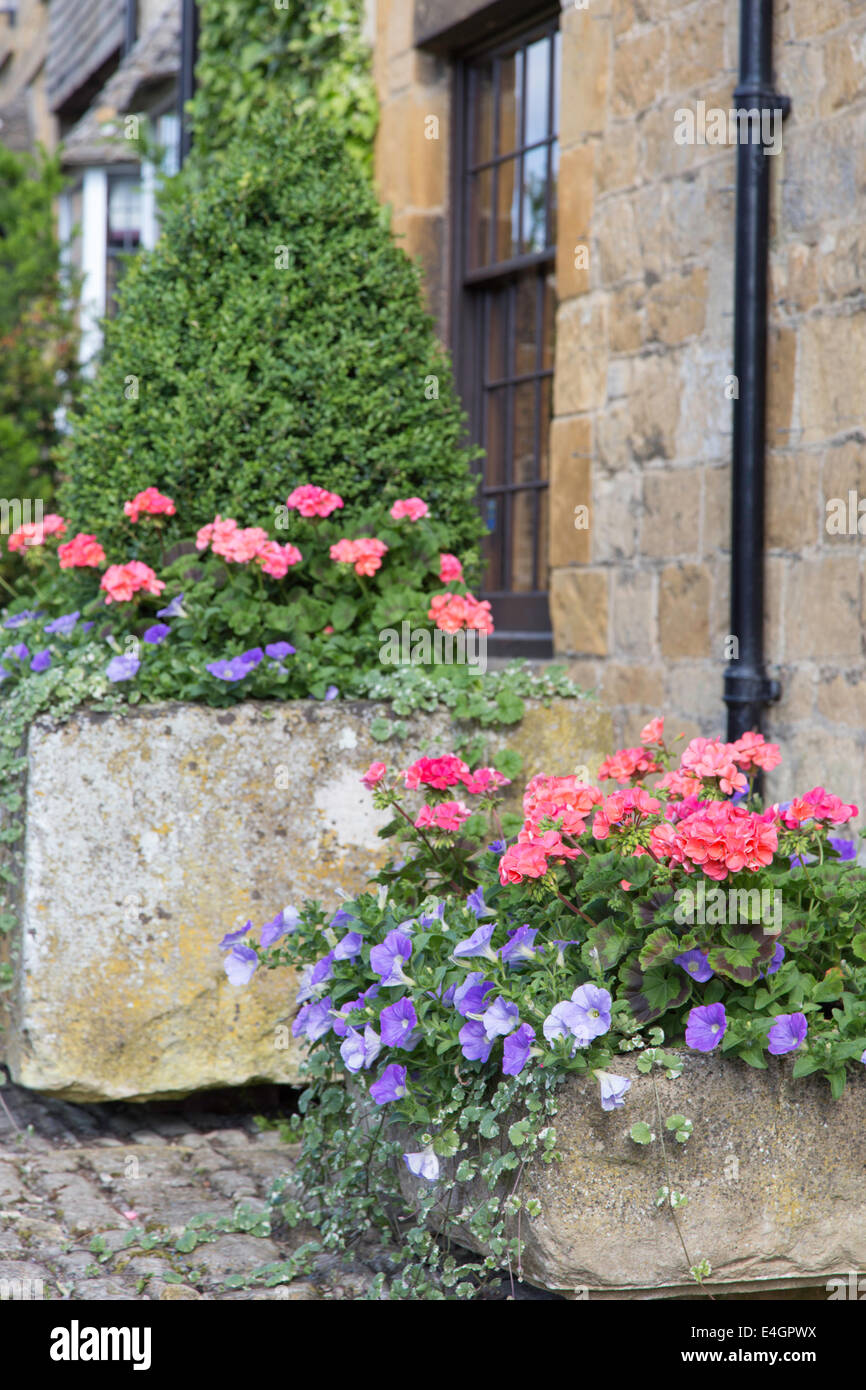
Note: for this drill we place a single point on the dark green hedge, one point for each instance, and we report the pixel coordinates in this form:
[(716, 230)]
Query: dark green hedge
[(226, 379)]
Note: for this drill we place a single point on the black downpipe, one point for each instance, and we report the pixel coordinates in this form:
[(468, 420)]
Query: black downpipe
[(188, 60), (747, 687)]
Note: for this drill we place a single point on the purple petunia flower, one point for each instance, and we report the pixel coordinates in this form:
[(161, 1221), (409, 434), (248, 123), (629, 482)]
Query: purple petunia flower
[(285, 922), (500, 1018), (314, 1021), (428, 918), (278, 651), (240, 964), (349, 946), (423, 1165), (520, 946), (173, 609), (314, 976), (613, 1089), (498, 847), (237, 667), (390, 1086), (478, 944), (594, 1006), (387, 959), (786, 1034), (85, 627), (331, 693), (398, 1023), (863, 1059), (778, 957), (341, 918), (63, 625), (696, 964), (474, 1042), (341, 1021), (122, 668), (563, 1021), (19, 619), (476, 904), (469, 997), (41, 660), (232, 936), (846, 849), (705, 1027), (19, 652), (360, 1050), (156, 634), (516, 1049)]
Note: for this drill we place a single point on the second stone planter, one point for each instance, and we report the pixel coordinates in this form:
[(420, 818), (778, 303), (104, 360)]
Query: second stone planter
[(150, 835)]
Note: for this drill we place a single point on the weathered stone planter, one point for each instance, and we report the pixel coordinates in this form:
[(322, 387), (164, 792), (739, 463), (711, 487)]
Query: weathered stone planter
[(150, 835), (774, 1174)]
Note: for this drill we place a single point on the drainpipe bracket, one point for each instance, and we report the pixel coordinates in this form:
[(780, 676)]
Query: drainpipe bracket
[(746, 688), (764, 98)]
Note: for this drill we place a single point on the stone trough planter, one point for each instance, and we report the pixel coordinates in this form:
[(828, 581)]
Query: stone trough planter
[(150, 835), (774, 1173)]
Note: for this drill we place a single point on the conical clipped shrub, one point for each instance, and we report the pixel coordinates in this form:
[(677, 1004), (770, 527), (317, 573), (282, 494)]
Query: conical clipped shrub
[(274, 336)]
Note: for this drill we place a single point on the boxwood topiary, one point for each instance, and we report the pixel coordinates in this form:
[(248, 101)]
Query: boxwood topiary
[(274, 336)]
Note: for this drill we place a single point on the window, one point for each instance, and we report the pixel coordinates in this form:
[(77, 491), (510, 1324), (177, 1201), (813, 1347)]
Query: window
[(505, 246), (124, 229)]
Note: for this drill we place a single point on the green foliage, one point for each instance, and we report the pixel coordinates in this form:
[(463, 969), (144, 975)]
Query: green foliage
[(297, 56), (275, 336), (38, 339)]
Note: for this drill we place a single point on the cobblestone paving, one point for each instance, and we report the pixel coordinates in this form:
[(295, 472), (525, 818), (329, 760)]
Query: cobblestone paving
[(72, 1174), (75, 1179)]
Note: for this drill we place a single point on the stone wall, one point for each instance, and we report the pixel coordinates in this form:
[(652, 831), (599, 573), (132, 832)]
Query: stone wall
[(642, 415), (148, 836)]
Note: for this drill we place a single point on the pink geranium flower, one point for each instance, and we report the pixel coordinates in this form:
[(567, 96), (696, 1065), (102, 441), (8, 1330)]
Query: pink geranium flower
[(151, 502), (450, 569), (122, 582), (653, 732), (313, 501), (438, 773), (447, 815), (365, 554), (627, 763), (82, 551), (411, 507), (276, 560), (36, 532), (217, 531), (374, 774)]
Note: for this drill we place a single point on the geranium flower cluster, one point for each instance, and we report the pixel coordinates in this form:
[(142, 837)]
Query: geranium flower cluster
[(241, 545), (453, 612), (33, 533), (365, 554)]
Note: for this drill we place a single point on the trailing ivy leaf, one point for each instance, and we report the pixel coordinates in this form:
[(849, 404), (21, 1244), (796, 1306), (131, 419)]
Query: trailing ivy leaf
[(509, 763), (509, 707), (380, 729), (517, 1133), (641, 1133)]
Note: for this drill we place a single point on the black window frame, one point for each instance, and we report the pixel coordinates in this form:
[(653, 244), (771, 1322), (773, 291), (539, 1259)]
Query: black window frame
[(523, 626)]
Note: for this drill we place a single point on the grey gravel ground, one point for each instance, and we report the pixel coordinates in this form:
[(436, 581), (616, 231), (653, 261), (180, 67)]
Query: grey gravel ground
[(74, 1179)]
